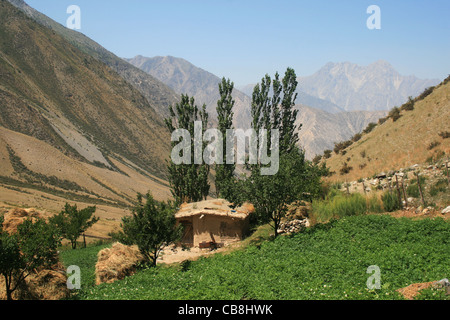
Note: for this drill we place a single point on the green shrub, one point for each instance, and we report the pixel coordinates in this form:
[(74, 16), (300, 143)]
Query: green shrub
[(328, 261), (408, 106), (425, 93), (395, 114), (345, 169), (338, 205), (439, 186), (374, 204), (444, 134), (413, 190), (391, 202), (370, 127), (382, 120), (340, 146)]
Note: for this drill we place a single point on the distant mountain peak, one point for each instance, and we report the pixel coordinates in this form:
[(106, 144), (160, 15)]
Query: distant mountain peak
[(377, 86)]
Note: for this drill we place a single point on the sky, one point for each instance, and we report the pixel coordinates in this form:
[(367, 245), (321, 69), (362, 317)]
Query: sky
[(245, 39)]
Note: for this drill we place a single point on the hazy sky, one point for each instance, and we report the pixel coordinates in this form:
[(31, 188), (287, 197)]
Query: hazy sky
[(245, 39)]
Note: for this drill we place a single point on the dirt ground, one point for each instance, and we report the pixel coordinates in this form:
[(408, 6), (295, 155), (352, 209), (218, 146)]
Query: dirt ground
[(174, 254)]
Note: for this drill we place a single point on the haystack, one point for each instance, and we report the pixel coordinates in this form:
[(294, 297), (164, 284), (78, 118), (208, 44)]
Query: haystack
[(16, 216), (43, 284), (116, 263)]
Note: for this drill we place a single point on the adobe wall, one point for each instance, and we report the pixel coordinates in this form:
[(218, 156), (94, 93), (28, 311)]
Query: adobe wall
[(218, 228)]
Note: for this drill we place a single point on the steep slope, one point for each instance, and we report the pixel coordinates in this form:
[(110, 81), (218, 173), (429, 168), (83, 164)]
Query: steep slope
[(70, 126), (352, 87), (418, 136), (321, 129), (158, 94), (185, 78)]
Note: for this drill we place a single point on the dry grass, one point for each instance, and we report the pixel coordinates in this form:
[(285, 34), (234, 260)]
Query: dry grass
[(399, 144), (116, 263)]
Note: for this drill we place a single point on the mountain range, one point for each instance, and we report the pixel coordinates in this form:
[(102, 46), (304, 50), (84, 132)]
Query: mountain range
[(185, 78), (322, 125), (72, 128), (79, 123), (352, 87)]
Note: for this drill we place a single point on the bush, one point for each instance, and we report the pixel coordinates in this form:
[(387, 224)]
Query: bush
[(412, 190), (357, 137), (339, 146), (374, 204), (408, 106), (327, 154), (433, 145), (338, 205), (317, 159), (395, 114), (425, 93), (444, 134), (391, 202), (345, 169), (369, 127), (439, 186)]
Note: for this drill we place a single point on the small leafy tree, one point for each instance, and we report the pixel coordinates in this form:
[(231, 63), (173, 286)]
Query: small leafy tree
[(34, 245), (151, 226), (72, 223)]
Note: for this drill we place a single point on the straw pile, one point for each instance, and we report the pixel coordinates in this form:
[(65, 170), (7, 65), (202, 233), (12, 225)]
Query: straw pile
[(43, 284), (16, 216), (116, 263)]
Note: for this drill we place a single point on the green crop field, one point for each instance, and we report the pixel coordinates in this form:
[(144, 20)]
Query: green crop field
[(328, 261)]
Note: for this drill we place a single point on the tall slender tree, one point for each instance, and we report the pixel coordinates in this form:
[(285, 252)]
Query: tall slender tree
[(271, 194), (288, 115), (189, 181), (224, 171)]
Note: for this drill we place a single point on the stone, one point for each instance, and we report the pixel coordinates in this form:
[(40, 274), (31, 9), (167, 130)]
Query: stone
[(446, 210), (381, 175)]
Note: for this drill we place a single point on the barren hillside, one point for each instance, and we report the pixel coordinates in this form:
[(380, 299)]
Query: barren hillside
[(71, 128), (417, 136)]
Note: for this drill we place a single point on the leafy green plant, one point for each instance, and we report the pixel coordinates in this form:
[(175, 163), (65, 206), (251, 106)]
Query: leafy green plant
[(151, 226), (338, 205), (327, 261), (440, 186), (345, 169), (71, 223), (413, 190), (33, 246), (391, 201)]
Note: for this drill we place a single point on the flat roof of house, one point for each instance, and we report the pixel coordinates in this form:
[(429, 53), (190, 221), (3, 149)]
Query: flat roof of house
[(217, 207)]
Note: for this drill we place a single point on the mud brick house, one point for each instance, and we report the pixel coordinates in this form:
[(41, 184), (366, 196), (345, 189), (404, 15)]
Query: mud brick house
[(213, 223)]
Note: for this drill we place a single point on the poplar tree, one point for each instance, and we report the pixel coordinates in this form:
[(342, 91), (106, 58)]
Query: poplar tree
[(272, 107), (224, 171), (188, 181)]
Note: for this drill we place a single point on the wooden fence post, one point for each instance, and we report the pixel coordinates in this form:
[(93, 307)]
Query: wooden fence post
[(446, 167), (404, 192), (398, 190), (420, 189)]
